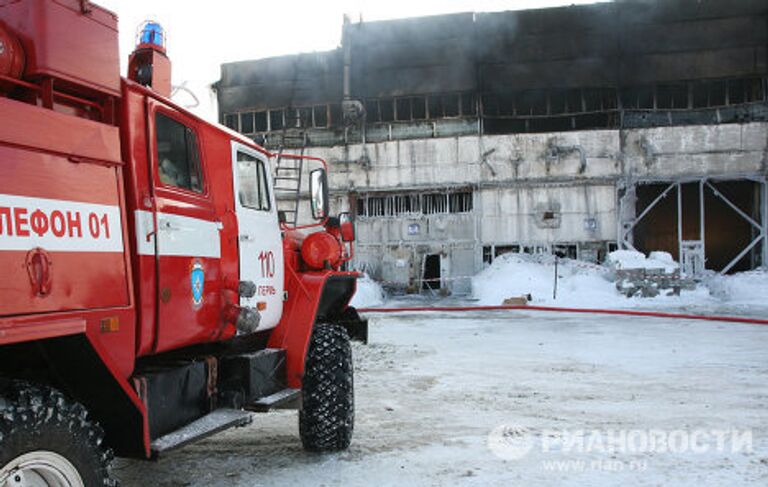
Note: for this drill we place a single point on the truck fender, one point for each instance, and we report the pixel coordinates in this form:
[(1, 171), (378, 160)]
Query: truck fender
[(312, 297)]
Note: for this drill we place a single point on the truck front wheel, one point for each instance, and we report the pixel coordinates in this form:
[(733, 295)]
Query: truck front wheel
[(49, 441), (327, 415)]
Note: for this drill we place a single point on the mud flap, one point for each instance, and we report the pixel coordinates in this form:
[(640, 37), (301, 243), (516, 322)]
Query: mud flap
[(337, 293), (356, 326)]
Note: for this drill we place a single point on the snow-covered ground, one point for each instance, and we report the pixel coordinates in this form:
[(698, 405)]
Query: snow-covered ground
[(585, 285), (437, 391)]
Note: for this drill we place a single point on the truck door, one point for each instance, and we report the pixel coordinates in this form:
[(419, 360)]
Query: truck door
[(259, 239), (188, 248)]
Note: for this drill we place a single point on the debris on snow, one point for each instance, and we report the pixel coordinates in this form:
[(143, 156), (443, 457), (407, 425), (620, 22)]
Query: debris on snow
[(517, 301), (647, 277)]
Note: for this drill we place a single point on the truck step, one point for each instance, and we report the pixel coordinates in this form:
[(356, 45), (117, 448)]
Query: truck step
[(212, 423), (278, 400)]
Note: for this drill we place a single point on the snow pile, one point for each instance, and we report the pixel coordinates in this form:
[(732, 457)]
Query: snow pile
[(579, 284), (744, 288), (369, 293), (632, 259)]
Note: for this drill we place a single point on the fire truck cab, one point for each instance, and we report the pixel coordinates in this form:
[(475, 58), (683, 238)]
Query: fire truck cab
[(152, 293)]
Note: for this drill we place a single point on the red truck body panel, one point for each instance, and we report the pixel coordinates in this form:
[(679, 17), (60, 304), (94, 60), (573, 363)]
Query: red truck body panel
[(167, 320), (73, 211), (54, 41), (61, 190), (95, 243)]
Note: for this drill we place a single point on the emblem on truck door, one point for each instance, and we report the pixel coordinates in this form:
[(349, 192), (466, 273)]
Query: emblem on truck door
[(197, 281)]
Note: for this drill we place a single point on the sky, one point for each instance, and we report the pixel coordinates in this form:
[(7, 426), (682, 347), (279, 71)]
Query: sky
[(203, 35)]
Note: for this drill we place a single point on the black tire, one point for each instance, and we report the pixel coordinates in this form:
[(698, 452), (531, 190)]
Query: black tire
[(40, 422), (327, 415)]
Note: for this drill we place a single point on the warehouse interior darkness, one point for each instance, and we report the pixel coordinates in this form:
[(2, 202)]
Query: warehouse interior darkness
[(726, 232), (575, 131)]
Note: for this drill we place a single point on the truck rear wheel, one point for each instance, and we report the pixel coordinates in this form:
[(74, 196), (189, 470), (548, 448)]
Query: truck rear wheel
[(49, 441), (327, 415)]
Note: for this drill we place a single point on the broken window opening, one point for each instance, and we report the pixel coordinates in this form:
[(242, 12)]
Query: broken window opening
[(306, 117), (275, 119), (460, 202), (434, 203), (558, 102), (490, 104), (387, 110), (419, 108), (320, 116), (260, 122), (718, 94), (468, 105), (565, 251), (672, 96), (451, 105), (506, 249), (372, 111), (230, 120), (334, 110), (414, 204), (246, 123), (435, 107), (403, 109)]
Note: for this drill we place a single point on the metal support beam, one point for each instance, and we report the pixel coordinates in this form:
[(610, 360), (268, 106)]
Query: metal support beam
[(679, 223), (761, 226), (764, 211), (741, 213), (742, 254), (734, 207), (645, 211), (701, 220)]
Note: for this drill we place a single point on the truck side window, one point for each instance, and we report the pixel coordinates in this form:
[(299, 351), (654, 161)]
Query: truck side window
[(177, 154), (253, 191)]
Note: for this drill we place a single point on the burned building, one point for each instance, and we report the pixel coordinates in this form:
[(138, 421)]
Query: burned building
[(455, 138)]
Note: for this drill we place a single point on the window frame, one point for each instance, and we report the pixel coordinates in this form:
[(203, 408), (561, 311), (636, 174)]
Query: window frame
[(265, 180), (172, 115)]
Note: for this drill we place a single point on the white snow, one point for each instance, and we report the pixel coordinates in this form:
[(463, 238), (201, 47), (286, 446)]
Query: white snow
[(512, 275), (632, 259), (431, 388), (745, 288), (369, 293), (585, 285)]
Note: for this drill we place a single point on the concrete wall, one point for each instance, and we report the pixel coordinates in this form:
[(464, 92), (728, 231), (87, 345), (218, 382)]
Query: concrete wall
[(515, 179)]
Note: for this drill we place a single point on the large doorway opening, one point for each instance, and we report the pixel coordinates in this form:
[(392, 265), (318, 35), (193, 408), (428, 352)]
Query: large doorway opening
[(714, 224), (431, 278)]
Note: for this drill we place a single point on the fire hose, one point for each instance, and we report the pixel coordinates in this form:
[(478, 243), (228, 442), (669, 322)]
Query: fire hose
[(620, 312)]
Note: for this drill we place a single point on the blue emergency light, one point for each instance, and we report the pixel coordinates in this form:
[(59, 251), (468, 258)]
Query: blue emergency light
[(152, 33)]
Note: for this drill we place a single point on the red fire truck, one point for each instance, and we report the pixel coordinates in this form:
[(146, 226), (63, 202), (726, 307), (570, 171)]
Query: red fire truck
[(150, 292)]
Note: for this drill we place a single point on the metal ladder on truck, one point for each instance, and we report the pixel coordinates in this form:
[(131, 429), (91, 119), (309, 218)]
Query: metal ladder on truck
[(288, 170)]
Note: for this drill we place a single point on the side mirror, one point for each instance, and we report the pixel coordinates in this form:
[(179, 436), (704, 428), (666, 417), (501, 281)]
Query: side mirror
[(347, 228), (318, 190)]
